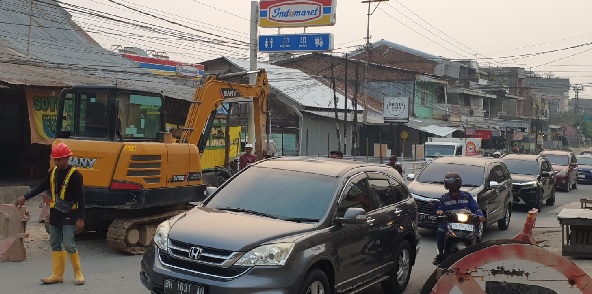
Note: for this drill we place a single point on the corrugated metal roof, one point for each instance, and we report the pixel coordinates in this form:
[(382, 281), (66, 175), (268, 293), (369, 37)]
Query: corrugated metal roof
[(58, 53), (297, 85), (406, 49)]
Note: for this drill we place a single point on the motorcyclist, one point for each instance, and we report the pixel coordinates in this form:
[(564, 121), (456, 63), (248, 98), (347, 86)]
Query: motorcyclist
[(454, 199)]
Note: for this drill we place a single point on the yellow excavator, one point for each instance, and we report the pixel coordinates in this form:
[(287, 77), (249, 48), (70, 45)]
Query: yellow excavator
[(135, 176)]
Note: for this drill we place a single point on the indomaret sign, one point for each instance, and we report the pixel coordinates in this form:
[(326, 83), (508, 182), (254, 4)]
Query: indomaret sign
[(296, 13)]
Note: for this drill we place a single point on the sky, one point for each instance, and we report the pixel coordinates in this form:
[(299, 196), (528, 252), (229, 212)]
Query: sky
[(553, 38)]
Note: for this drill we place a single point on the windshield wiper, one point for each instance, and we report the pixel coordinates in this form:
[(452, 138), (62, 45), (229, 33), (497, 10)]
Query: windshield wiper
[(236, 209), (301, 219)]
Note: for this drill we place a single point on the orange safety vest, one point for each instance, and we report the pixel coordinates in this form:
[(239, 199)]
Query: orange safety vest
[(64, 186)]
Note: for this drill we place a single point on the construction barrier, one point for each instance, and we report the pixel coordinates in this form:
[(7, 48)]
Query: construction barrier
[(13, 221), (508, 266), (526, 234)]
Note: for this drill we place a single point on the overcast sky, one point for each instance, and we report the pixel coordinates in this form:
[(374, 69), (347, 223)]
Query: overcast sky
[(496, 33)]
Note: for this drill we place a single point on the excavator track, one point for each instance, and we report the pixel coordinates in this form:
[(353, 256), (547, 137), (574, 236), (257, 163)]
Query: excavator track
[(133, 235)]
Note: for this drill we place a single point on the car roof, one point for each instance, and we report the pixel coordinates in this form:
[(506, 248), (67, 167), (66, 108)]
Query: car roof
[(555, 152), (526, 157), (584, 155), (466, 160), (320, 165)]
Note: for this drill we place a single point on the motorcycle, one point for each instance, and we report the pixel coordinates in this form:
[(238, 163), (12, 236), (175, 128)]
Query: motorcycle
[(462, 229)]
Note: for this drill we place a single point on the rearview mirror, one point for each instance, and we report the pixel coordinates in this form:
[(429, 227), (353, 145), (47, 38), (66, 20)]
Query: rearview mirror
[(352, 216), (411, 177), (493, 184)]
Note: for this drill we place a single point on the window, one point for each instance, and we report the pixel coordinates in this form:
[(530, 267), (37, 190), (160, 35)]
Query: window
[(440, 95), (472, 175), (545, 166), (497, 174), (139, 116), (92, 115), (380, 190), (399, 191), (424, 96), (356, 195)]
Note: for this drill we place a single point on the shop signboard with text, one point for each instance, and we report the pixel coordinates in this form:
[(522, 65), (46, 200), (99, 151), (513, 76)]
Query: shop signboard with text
[(43, 110), (296, 13), (396, 109)]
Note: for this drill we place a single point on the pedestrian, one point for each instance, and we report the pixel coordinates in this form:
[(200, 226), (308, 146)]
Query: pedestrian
[(66, 213), (248, 157), (393, 163), (336, 154)]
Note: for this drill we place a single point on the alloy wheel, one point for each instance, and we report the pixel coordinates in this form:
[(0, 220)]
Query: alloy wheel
[(404, 264), (316, 287)]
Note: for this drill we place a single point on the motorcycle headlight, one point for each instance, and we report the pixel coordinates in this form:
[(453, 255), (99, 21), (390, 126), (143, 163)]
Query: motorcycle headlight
[(161, 237), (272, 254), (462, 217)]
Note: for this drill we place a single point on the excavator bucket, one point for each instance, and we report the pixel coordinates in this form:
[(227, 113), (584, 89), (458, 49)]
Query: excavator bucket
[(13, 221)]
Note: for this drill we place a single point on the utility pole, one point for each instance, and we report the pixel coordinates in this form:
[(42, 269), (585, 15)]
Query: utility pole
[(335, 106), (253, 76), (355, 127), (577, 88), (367, 49), (345, 109)]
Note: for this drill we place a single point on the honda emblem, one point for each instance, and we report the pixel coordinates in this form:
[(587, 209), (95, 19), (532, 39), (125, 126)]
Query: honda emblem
[(195, 252)]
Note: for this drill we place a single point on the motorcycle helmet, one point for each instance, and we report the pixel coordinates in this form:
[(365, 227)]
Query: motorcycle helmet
[(497, 154), (452, 181)]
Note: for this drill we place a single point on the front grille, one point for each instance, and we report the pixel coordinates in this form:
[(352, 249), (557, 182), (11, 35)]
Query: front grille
[(211, 261), (210, 270), (425, 207)]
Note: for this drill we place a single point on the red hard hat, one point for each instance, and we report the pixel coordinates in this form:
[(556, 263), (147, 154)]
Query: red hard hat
[(60, 150)]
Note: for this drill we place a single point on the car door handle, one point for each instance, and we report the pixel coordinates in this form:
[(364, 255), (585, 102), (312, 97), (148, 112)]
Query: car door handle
[(398, 211), (370, 221)]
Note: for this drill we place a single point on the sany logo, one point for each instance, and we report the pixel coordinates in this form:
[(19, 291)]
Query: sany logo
[(296, 11), (82, 162), (229, 93)]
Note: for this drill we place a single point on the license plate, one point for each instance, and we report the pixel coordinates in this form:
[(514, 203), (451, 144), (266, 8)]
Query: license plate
[(179, 287), (462, 227), (427, 217), (582, 176)]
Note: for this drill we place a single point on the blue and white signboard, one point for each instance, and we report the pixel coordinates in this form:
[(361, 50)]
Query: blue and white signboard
[(296, 43)]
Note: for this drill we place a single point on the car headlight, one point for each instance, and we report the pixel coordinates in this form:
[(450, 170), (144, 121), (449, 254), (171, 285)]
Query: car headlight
[(529, 184), (272, 254), (161, 237), (462, 217)]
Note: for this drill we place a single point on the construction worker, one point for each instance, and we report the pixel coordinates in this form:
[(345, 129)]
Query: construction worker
[(248, 157), (66, 217)]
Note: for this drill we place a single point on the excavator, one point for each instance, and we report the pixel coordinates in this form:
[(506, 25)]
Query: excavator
[(135, 175)]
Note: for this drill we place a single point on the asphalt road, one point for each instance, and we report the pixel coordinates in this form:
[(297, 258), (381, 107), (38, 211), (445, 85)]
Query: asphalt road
[(110, 272)]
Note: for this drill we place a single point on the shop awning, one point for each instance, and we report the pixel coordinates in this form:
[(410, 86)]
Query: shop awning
[(438, 130)]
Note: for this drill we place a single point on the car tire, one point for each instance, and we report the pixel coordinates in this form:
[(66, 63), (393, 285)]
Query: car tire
[(401, 274), (504, 224), (551, 200), (316, 282)]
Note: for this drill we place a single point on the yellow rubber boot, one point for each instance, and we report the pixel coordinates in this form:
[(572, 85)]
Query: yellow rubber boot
[(58, 264), (75, 260)]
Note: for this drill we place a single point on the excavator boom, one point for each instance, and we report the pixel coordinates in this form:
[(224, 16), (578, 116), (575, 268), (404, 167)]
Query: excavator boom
[(215, 90)]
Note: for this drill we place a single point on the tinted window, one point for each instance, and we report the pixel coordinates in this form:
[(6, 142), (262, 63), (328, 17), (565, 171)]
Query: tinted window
[(139, 116), (472, 175), (91, 111), (497, 174), (356, 195), (380, 192), (585, 160), (285, 194), (558, 159), (399, 191), (523, 167)]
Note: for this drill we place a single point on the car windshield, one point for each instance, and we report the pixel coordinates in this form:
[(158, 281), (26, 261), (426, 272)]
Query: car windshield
[(558, 159), (523, 167), (472, 175), (439, 150), (282, 194), (584, 160)]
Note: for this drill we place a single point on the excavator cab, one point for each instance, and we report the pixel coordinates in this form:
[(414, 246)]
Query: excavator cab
[(110, 114)]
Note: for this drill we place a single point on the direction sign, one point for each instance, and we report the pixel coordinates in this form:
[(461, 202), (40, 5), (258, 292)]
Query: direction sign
[(296, 43)]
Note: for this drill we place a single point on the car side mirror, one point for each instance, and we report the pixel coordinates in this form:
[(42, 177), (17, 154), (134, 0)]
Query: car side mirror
[(352, 216), (210, 191), (411, 177), (493, 184)]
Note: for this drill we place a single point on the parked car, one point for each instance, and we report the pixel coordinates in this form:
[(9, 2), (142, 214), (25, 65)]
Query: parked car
[(565, 165), (533, 179), (291, 225), (487, 179), (584, 169)]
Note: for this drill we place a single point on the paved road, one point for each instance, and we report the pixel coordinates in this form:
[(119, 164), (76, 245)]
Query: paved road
[(110, 272)]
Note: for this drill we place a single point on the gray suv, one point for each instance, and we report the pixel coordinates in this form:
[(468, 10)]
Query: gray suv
[(290, 225)]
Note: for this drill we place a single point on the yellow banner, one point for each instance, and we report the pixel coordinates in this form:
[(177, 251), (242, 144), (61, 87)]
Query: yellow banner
[(42, 104)]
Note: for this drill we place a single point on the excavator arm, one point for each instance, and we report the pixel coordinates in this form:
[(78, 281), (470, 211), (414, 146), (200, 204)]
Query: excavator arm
[(215, 90)]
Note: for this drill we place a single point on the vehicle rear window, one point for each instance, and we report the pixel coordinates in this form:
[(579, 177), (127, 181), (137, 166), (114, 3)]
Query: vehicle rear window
[(558, 159), (584, 160), (281, 193), (522, 167), (472, 175)]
